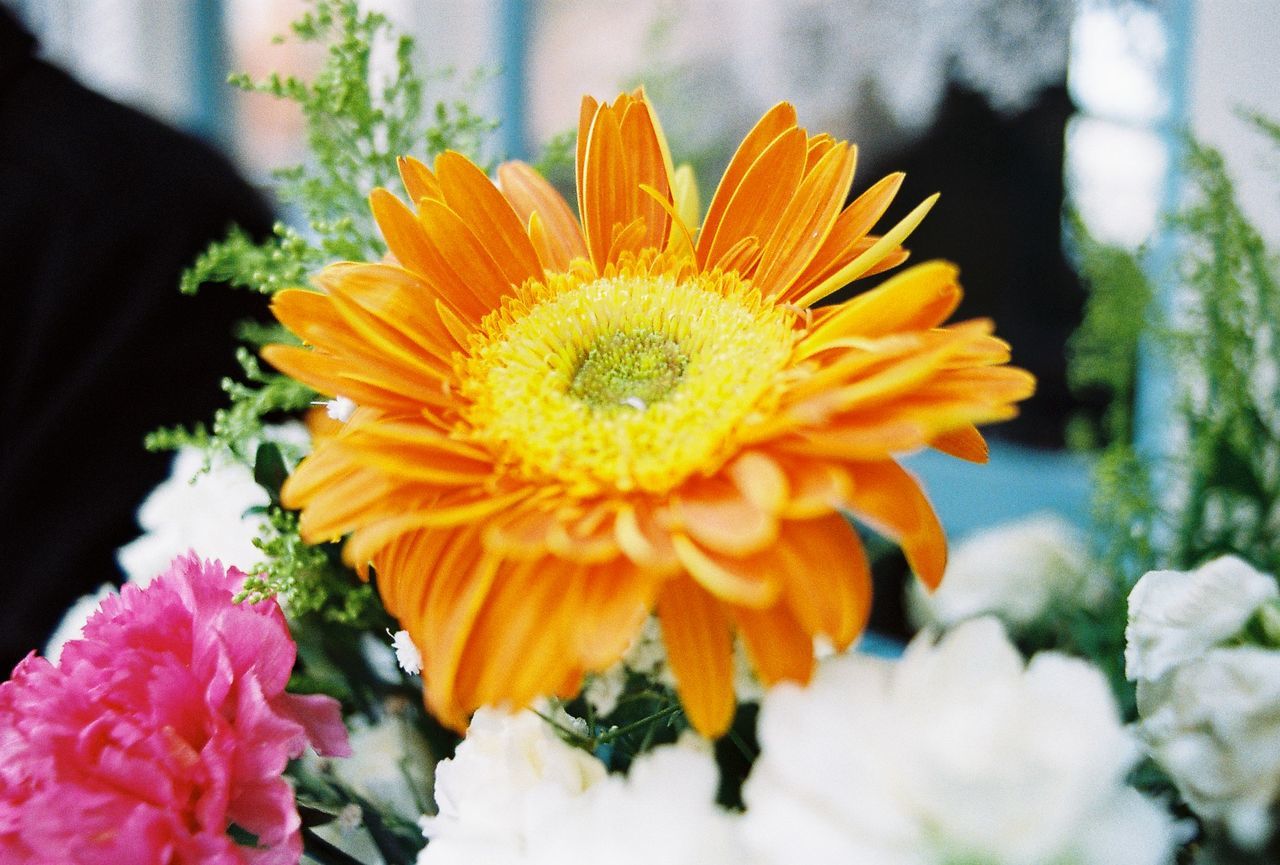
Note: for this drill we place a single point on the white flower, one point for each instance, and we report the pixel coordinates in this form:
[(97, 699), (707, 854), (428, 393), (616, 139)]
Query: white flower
[(1017, 571), (407, 654), (340, 409), (207, 515), (663, 811), (1210, 715), (515, 793), (510, 778), (1177, 616), (958, 752)]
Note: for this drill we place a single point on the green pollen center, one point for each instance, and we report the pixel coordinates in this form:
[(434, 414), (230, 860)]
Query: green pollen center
[(636, 369)]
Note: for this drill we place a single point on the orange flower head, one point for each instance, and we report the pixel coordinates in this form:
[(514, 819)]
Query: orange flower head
[(567, 424)]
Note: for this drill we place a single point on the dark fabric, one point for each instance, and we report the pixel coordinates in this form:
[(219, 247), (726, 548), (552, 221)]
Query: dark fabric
[(1000, 219), (100, 210)]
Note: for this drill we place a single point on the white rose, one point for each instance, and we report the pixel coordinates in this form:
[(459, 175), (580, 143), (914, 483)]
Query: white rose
[(958, 752), (1176, 616), (1017, 571)]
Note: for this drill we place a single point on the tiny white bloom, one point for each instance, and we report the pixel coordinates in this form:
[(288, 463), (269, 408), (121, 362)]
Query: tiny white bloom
[(958, 752), (340, 408), (407, 654), (1017, 571)]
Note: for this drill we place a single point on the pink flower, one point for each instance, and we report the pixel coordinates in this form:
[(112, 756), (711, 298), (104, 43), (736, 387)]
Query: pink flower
[(164, 726)]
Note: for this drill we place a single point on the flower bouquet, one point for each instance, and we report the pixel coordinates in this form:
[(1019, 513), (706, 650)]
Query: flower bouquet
[(558, 521)]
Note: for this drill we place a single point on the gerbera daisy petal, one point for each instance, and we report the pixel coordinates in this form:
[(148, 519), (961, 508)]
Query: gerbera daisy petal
[(479, 205), (749, 581), (865, 261), (649, 166), (460, 582), (760, 199), (777, 120), (833, 600), (914, 300), (964, 442), (604, 187), (889, 500), (419, 181), (851, 226), (807, 221), (488, 276), (531, 196), (700, 651), (780, 648), (615, 601), (718, 517), (510, 654)]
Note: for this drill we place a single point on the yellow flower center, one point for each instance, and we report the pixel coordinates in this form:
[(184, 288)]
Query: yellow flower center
[(632, 380)]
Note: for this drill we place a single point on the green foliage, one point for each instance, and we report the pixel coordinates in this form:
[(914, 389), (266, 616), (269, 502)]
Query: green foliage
[(310, 579), (1227, 352), (1104, 350)]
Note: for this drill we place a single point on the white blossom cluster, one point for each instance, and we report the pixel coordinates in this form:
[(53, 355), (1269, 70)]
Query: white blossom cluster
[(197, 510), (1210, 709), (958, 752)]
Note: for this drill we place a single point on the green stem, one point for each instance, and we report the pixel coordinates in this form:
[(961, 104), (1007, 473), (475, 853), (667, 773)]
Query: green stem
[(635, 725)]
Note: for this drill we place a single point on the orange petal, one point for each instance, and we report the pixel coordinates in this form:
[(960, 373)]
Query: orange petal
[(647, 166), (419, 181), (890, 500), (700, 650), (518, 646), (643, 540), (808, 219), (459, 586), (479, 204), (779, 647), (760, 480), (717, 515), (530, 194), (850, 227), (602, 187), (774, 123), (919, 298), (615, 601), (467, 257), (866, 261), (964, 442), (828, 579), (759, 200), (749, 582)]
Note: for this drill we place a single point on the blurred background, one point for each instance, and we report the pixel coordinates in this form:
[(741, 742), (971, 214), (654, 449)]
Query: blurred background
[(1019, 111)]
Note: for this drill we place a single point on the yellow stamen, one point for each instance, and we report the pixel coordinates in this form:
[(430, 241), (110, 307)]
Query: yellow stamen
[(632, 380)]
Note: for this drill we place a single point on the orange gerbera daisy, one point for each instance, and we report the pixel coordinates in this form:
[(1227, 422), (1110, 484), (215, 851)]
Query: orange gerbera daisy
[(566, 425)]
